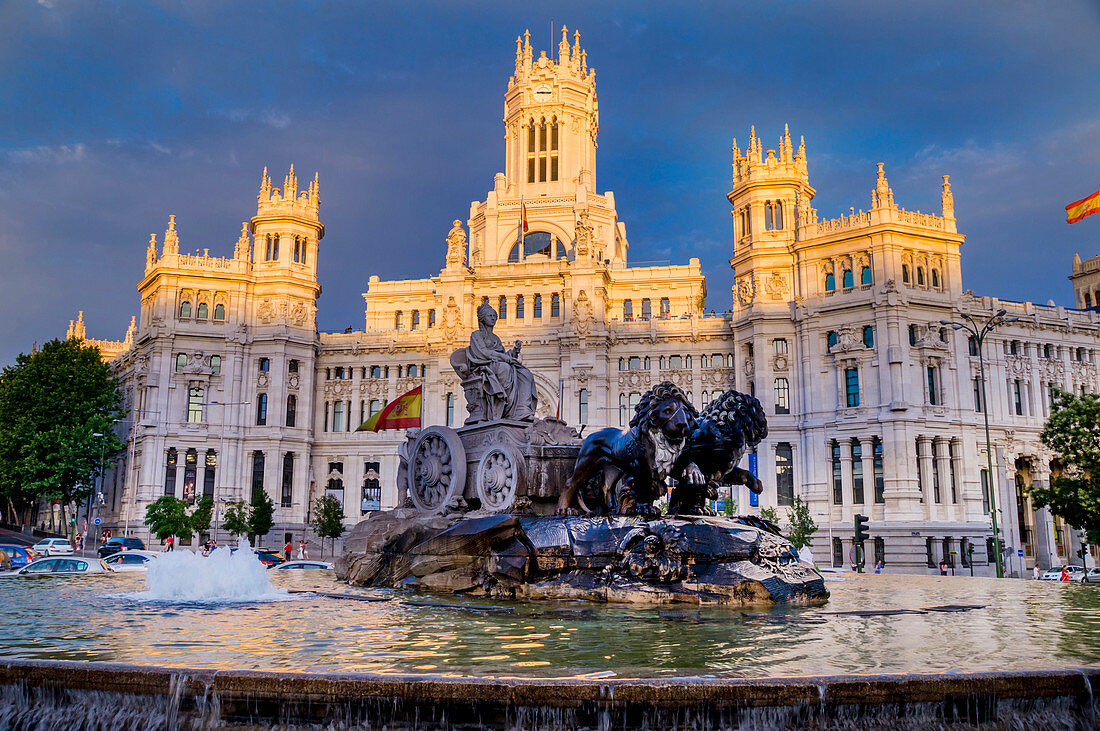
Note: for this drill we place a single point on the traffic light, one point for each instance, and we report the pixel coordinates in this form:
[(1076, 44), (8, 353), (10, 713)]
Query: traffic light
[(861, 528)]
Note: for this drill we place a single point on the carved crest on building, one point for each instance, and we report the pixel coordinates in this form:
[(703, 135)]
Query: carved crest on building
[(776, 286)]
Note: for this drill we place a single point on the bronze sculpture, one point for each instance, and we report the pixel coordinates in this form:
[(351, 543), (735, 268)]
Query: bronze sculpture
[(496, 385)]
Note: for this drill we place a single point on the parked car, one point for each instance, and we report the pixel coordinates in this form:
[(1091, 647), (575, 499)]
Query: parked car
[(114, 545), (63, 566), (54, 547), (1093, 575), (127, 561), (267, 558), (1074, 573), (20, 555), (302, 565), (1054, 573)]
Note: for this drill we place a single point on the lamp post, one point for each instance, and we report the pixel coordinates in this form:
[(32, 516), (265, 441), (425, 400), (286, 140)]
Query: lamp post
[(88, 515), (978, 332)]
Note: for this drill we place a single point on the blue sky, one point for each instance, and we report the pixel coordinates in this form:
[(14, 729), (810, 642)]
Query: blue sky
[(114, 115)]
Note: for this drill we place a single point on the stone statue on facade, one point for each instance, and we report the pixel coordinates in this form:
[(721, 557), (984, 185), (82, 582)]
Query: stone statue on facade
[(497, 386)]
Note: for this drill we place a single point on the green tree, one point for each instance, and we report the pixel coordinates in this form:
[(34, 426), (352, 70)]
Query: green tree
[(262, 514), (236, 518), (803, 526), (204, 511), (52, 403), (1073, 432), (328, 519), (167, 516), (771, 514)]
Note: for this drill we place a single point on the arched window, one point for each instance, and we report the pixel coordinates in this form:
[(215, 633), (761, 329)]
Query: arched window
[(376, 371), (778, 215), (666, 307), (412, 370), (416, 319), (865, 276), (634, 363), (219, 312), (848, 281), (275, 248), (450, 409), (502, 309), (582, 406), (291, 409), (202, 311), (538, 306), (215, 365), (267, 250), (769, 222), (185, 309), (398, 320), (920, 276), (830, 282), (181, 362), (935, 279), (170, 472), (297, 249), (905, 273), (622, 410), (647, 309), (869, 336), (555, 305), (647, 362), (831, 339), (622, 364), (288, 480), (519, 307)]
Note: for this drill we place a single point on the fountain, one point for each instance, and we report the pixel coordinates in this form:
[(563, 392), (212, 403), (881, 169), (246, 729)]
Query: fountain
[(510, 515)]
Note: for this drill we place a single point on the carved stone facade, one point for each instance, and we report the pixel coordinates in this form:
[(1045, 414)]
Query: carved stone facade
[(832, 324)]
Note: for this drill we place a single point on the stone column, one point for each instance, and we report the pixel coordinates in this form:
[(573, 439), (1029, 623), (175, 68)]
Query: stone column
[(926, 465), (868, 446)]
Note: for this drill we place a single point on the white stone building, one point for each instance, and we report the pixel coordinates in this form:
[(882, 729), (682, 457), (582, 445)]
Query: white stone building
[(834, 325)]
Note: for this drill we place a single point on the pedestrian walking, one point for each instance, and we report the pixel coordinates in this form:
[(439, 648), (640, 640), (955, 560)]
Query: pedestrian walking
[(287, 550), (943, 567), (169, 543), (301, 550), (878, 567), (1035, 572), (1065, 574), (305, 549)]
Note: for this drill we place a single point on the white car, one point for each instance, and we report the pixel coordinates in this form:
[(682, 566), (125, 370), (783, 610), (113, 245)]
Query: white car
[(302, 565), (1093, 576), (126, 561), (54, 547), (1054, 573), (45, 566)]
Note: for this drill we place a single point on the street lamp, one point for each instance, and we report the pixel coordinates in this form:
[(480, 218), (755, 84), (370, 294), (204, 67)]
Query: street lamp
[(979, 333), (88, 516)]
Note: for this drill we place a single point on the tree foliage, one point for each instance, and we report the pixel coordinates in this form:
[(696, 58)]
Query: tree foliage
[(261, 516), (204, 511), (236, 518), (1073, 432), (328, 519), (803, 526), (770, 513), (168, 516), (51, 404)]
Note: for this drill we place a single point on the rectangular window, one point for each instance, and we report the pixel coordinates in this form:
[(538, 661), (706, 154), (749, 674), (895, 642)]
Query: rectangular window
[(261, 410), (784, 474), (372, 487), (647, 309), (838, 476), (936, 471), (338, 416), (920, 473), (628, 310), (838, 552), (555, 305), (857, 472), (583, 406), (779, 346), (978, 401), (450, 409), (257, 471), (194, 405), (291, 409), (1018, 396), (951, 471), (207, 473), (538, 306), (326, 417), (288, 480), (990, 551), (985, 490), (933, 398), (335, 484), (880, 485), (170, 473), (880, 550), (851, 382), (929, 552), (782, 396)]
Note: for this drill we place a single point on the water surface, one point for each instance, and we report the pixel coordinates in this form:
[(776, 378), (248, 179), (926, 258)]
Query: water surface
[(1024, 625)]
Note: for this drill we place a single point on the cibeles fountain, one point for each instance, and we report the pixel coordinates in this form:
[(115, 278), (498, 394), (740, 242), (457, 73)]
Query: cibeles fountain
[(517, 507)]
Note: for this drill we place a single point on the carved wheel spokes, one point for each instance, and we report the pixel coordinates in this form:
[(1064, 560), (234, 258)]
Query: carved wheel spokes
[(437, 469), (500, 478)]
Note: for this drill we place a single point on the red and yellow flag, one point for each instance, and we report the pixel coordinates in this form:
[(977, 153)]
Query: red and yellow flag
[(523, 216), (401, 413), (1084, 207)]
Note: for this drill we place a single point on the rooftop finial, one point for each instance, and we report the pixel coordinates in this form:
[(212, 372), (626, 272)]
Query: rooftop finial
[(171, 238), (241, 251), (563, 47), (151, 252), (947, 198), (882, 197)]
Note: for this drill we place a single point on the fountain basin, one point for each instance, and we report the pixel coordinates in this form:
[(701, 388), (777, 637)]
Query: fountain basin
[(64, 694)]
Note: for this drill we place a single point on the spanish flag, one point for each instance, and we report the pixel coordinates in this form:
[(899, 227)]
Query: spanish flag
[(401, 413), (1084, 207)]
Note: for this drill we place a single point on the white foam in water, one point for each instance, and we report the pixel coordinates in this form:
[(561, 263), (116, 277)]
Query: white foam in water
[(223, 576)]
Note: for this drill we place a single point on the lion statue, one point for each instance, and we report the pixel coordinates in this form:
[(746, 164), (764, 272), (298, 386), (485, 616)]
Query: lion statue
[(623, 471), (729, 426)]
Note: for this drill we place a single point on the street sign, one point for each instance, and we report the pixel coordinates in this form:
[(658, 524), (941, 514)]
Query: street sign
[(754, 499), (1020, 552), (97, 521)]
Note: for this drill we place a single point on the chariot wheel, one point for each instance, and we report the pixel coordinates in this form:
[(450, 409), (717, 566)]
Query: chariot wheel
[(500, 478), (437, 469)]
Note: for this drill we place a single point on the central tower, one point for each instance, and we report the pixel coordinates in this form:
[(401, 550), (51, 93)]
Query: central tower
[(552, 118)]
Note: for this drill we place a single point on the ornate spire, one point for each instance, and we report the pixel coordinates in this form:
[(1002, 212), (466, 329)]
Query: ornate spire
[(802, 147), (563, 47), (76, 329), (151, 253), (171, 238), (129, 340), (882, 197), (290, 185), (243, 247), (948, 198), (575, 59), (753, 151), (519, 56), (456, 245), (265, 185), (785, 151), (527, 49)]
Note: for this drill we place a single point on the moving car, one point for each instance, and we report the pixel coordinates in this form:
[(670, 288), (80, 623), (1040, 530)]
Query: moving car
[(1093, 576), (302, 565), (20, 555), (267, 558), (127, 561), (63, 566), (114, 545), (54, 547), (1054, 573), (1075, 573)]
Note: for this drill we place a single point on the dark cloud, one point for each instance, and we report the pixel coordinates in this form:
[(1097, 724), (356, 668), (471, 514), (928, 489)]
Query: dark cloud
[(115, 116)]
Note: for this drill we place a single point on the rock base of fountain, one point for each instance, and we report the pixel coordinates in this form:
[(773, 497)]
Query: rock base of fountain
[(690, 559)]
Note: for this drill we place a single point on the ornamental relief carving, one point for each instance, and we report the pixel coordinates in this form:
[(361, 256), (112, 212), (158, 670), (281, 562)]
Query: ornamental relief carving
[(1083, 372), (680, 376), (746, 290), (749, 366), (337, 388), (718, 377), (776, 286), (780, 364), (293, 381), (634, 379), (1052, 370), (1017, 365), (261, 380), (373, 387)]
